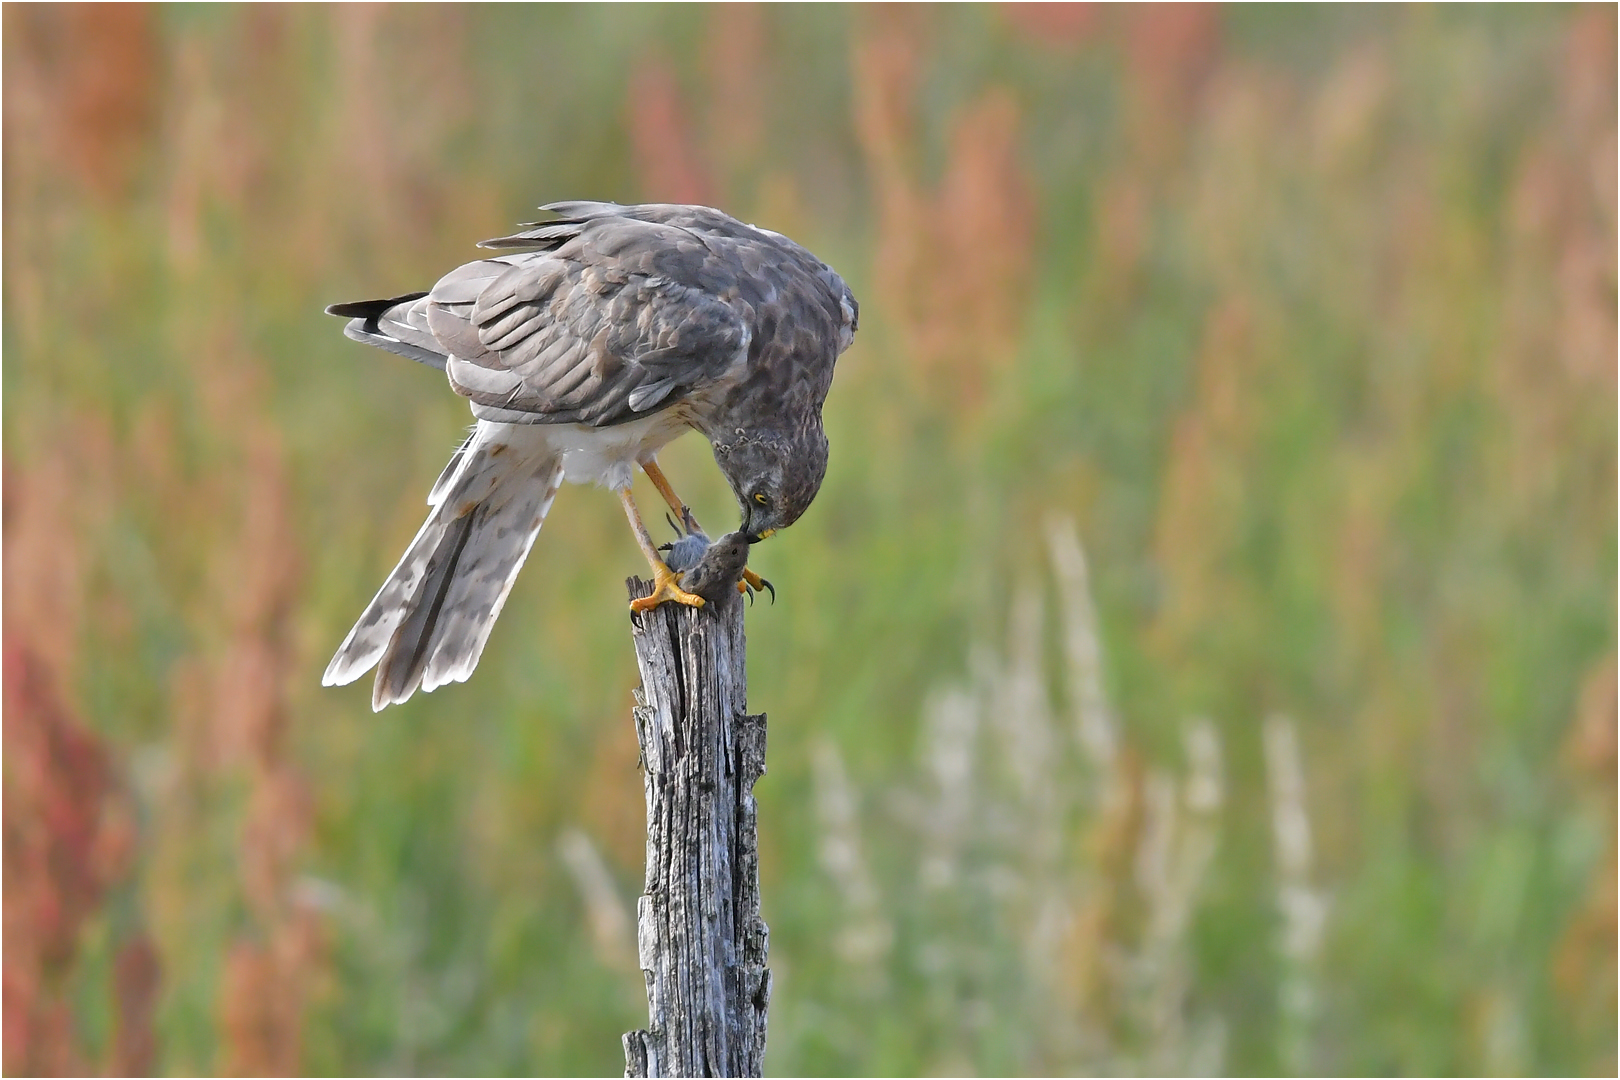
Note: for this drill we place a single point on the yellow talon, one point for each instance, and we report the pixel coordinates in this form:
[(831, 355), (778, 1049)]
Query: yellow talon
[(666, 586), (752, 582)]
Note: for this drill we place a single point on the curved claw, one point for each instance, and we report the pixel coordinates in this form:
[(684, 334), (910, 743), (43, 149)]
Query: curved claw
[(666, 587), (753, 583)]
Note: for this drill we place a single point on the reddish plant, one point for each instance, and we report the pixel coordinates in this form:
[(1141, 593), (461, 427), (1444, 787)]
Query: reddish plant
[(101, 65), (953, 264), (68, 838), (661, 137)]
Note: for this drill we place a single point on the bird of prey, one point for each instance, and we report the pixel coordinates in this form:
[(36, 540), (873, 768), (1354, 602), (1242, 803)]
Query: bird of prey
[(585, 346)]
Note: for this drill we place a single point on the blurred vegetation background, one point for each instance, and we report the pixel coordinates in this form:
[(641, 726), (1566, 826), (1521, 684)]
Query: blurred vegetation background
[(1300, 320)]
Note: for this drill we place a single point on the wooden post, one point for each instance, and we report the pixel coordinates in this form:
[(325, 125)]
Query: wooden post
[(702, 941)]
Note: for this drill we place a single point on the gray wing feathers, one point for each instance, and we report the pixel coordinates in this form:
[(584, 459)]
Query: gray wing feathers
[(430, 620), (552, 233), (586, 208), (398, 325), (356, 331), (612, 312), (643, 398), (596, 342), (609, 312), (485, 384)]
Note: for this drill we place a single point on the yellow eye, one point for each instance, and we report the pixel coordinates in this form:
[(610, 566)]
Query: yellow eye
[(760, 498)]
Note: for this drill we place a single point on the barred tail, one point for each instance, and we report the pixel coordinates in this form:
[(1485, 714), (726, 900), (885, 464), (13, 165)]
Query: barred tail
[(428, 623)]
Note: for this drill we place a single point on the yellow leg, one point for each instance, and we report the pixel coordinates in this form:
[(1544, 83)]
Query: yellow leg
[(666, 583), (661, 482)]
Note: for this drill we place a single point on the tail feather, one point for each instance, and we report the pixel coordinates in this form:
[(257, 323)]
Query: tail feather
[(400, 670), (371, 634), (441, 486), (489, 564), (428, 624)]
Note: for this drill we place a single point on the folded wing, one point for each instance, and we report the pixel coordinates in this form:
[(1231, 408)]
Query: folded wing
[(613, 317)]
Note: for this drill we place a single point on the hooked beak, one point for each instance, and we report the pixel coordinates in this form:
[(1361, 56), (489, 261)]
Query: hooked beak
[(754, 538)]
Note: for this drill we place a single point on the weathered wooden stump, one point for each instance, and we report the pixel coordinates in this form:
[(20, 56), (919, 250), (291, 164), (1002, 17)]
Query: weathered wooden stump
[(702, 941)]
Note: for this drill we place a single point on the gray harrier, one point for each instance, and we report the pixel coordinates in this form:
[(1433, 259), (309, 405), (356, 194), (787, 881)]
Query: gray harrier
[(611, 333)]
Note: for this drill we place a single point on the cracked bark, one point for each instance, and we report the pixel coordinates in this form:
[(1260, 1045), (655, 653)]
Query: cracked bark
[(702, 941)]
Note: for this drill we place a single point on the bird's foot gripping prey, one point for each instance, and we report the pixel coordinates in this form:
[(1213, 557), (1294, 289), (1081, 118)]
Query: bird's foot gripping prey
[(711, 568), (666, 582), (585, 345)]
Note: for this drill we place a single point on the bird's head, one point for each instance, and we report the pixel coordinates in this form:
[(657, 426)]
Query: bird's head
[(774, 475)]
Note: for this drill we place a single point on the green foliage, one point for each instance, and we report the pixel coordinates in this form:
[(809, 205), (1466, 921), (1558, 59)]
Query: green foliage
[(1306, 316)]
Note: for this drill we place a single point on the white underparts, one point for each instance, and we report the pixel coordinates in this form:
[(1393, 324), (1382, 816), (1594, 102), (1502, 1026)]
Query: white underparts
[(606, 456)]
